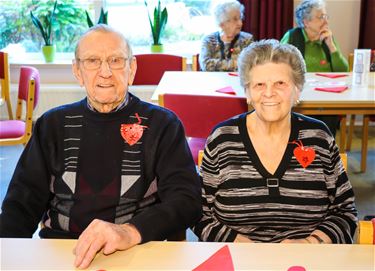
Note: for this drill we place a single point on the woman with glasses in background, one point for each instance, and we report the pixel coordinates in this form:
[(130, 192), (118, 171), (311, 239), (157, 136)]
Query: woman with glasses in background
[(220, 49), (314, 39)]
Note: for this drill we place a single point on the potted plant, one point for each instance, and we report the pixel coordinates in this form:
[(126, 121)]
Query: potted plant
[(157, 26), (45, 27), (103, 19)]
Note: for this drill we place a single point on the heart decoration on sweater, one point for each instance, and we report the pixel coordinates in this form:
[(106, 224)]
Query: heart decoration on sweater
[(304, 155), (131, 133)]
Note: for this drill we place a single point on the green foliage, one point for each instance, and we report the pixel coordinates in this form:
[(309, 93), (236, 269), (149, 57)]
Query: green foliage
[(16, 25), (103, 19), (158, 23), (44, 24)]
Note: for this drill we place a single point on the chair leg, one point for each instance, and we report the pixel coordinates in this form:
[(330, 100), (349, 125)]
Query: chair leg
[(342, 133), (350, 134), (364, 142)]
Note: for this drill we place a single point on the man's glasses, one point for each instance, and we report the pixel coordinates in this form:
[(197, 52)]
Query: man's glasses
[(114, 63), (323, 17)]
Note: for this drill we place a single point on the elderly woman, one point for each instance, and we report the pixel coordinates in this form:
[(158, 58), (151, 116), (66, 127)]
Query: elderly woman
[(220, 49), (271, 175), (314, 39)]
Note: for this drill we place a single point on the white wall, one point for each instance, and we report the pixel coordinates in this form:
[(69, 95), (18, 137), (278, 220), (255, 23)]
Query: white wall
[(344, 22)]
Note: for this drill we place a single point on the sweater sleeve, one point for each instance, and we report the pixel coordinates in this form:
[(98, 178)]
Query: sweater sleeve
[(178, 187), (341, 220), (28, 192), (339, 62), (209, 59), (210, 228)]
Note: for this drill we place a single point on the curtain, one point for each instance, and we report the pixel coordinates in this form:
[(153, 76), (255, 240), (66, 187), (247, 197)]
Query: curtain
[(367, 25), (267, 19)]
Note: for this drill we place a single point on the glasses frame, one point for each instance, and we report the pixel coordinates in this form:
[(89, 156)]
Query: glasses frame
[(109, 60), (323, 17)]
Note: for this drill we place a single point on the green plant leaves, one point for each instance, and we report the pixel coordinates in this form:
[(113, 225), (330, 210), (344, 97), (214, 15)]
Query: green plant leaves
[(158, 23), (46, 29)]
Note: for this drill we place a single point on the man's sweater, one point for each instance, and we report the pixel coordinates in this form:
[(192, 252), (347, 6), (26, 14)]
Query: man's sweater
[(80, 165)]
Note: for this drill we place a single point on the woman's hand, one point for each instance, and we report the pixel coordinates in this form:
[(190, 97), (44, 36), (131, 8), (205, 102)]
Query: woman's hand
[(103, 235), (242, 239), (325, 35)]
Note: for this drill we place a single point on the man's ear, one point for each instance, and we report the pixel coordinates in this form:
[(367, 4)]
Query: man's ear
[(77, 73), (133, 69)]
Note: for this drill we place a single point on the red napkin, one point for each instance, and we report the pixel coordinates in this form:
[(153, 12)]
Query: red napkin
[(220, 260), (332, 89), (332, 75), (226, 90), (233, 73)]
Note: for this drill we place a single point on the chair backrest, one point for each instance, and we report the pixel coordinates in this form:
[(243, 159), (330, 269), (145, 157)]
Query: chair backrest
[(151, 67), (5, 82), (199, 113), (26, 74), (195, 63)]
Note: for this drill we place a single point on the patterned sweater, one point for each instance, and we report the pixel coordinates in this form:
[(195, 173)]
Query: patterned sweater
[(212, 58), (241, 197), (78, 167)]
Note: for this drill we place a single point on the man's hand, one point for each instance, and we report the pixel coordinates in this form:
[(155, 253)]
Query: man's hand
[(103, 235), (325, 35)]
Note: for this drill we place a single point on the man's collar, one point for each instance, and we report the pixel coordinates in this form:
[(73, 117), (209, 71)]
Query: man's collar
[(119, 107)]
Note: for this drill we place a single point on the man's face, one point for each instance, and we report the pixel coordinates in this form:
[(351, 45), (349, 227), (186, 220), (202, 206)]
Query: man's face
[(104, 85)]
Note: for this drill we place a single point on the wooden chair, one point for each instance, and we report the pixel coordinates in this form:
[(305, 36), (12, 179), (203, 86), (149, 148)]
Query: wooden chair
[(195, 63), (18, 131), (365, 123), (200, 114), (151, 67), (5, 82), (366, 232)]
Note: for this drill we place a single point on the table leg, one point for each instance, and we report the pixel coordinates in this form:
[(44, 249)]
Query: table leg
[(366, 119)]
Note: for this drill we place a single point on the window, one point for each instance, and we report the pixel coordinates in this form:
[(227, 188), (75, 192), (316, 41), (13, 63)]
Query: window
[(188, 21)]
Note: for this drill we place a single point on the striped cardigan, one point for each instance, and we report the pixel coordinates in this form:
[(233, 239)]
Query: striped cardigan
[(241, 197)]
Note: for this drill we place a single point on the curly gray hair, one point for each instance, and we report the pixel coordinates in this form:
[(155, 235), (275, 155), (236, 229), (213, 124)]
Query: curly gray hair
[(222, 10), (104, 29), (304, 9), (265, 51)]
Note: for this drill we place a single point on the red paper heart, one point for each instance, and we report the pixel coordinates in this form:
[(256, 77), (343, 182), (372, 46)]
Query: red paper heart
[(131, 133), (305, 156)]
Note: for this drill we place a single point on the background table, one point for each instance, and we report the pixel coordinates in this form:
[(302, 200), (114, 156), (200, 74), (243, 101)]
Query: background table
[(354, 100), (37, 254)]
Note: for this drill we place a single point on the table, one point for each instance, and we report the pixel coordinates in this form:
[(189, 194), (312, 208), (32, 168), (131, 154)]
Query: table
[(355, 100), (38, 254)]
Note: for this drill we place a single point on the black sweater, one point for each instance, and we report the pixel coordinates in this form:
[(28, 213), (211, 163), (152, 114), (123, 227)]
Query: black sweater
[(78, 167)]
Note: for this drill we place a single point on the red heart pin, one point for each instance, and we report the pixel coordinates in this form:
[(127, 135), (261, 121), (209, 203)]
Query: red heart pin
[(131, 133), (304, 155)]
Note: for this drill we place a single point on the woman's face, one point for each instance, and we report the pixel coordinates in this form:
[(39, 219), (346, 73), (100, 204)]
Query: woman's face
[(271, 91), (318, 21), (232, 26)]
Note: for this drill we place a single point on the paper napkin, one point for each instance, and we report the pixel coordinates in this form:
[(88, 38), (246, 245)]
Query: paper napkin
[(226, 90), (220, 260), (332, 75)]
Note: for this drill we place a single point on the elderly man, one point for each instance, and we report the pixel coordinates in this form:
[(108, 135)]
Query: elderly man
[(110, 170)]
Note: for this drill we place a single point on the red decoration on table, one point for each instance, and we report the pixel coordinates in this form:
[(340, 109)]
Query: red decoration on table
[(304, 155), (332, 89), (131, 133), (221, 260), (226, 90), (296, 268), (332, 75), (233, 73)]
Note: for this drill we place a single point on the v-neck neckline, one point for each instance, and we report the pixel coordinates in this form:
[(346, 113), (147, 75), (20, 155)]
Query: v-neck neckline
[(287, 156)]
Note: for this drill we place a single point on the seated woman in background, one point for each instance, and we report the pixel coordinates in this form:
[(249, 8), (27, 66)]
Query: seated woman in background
[(271, 175), (220, 49), (314, 39)]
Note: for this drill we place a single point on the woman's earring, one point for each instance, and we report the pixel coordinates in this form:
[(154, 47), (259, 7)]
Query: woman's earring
[(297, 102)]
